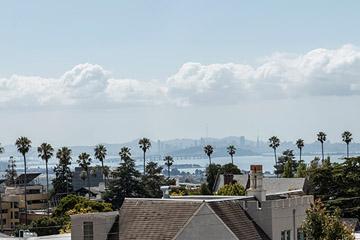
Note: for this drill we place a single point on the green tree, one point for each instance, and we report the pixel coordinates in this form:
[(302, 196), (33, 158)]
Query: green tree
[(204, 189), (300, 146), (232, 190), (44, 226), (322, 225), (321, 137), (125, 180), (168, 162), (231, 151), (62, 183), (287, 165), (209, 150), (347, 138), (274, 143), (153, 180), (212, 172), (84, 162), (229, 168), (301, 169), (144, 144), (45, 152), (23, 145), (100, 154), (10, 172)]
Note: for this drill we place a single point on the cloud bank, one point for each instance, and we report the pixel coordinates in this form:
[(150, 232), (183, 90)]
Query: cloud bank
[(320, 72)]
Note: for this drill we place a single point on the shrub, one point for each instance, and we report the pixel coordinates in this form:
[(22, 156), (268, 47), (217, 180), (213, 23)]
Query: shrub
[(232, 190)]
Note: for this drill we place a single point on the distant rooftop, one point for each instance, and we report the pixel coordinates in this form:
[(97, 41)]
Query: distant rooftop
[(20, 180)]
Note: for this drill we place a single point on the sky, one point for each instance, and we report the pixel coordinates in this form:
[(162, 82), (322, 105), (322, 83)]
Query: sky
[(87, 72)]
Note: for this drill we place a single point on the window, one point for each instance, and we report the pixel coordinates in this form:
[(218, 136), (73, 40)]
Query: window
[(300, 234), (16, 215), (88, 230), (286, 235)]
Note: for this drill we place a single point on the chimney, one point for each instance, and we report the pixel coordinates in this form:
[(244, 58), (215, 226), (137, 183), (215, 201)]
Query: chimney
[(165, 190), (256, 183)]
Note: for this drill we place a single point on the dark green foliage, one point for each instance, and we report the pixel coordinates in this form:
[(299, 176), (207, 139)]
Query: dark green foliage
[(47, 225), (286, 165), (204, 189), (301, 170), (153, 180), (62, 183), (11, 173), (230, 169), (232, 190), (322, 225), (212, 172), (125, 181), (337, 184)]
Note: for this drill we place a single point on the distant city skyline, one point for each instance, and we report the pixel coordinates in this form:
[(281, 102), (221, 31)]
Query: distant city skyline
[(80, 73)]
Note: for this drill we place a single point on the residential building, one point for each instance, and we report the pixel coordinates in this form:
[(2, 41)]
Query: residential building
[(95, 178), (258, 215), (13, 201), (271, 184)]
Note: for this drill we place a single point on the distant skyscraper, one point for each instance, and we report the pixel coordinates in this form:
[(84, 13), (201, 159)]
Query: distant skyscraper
[(257, 142), (242, 141), (159, 147)]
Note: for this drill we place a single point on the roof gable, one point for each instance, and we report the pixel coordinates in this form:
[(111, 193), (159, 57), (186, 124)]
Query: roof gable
[(154, 219)]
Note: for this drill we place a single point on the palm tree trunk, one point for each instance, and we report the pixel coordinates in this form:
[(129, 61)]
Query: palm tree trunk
[(144, 162), (169, 171), (277, 175), (25, 194), (102, 165), (300, 153), (47, 187), (322, 152), (210, 159), (347, 150), (232, 160), (88, 180)]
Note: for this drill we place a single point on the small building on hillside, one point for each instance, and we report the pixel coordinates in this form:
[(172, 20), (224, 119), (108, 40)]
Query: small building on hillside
[(271, 184), (95, 179)]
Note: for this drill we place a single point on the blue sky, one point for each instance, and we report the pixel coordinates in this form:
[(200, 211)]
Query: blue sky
[(163, 60), (152, 39)]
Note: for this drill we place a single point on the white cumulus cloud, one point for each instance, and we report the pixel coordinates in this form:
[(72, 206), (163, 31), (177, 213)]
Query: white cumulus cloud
[(320, 72)]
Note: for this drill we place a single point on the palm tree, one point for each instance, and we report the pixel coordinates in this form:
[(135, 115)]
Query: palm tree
[(64, 156), (231, 151), (144, 144), (100, 154), (274, 143), (46, 151), (347, 138), (23, 145), (321, 137), (300, 145), (125, 153), (1, 218), (169, 162), (84, 162), (208, 149)]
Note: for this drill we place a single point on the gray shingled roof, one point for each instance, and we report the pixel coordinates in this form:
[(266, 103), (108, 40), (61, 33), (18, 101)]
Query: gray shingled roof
[(163, 219), (276, 185), (154, 219), (239, 222)]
